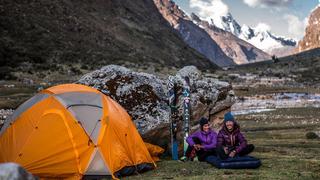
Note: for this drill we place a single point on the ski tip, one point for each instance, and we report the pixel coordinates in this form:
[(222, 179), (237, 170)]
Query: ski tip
[(184, 159)]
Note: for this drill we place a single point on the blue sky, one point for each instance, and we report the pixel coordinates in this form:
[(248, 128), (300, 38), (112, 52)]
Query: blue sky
[(283, 17)]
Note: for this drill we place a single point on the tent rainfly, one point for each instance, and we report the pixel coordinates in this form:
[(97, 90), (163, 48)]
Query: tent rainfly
[(70, 131)]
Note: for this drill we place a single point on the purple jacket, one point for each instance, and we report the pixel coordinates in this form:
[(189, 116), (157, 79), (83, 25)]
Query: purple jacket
[(234, 138), (208, 139)]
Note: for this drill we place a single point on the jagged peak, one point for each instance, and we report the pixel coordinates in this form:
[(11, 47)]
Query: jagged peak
[(194, 17)]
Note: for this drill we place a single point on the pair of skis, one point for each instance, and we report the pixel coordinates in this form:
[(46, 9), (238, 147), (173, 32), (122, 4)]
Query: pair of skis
[(172, 100)]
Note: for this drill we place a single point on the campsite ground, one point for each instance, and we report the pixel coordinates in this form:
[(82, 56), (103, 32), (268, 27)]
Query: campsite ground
[(281, 144), (279, 137)]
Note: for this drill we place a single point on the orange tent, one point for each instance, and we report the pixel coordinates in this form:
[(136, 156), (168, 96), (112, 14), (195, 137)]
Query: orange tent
[(71, 130)]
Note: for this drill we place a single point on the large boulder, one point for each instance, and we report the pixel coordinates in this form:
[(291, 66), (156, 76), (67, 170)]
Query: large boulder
[(12, 171), (144, 97)]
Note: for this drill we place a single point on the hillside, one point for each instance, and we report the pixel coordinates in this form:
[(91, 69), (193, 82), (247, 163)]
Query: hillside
[(45, 39), (302, 67)]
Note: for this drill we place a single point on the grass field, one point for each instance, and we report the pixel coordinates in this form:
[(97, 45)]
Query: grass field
[(281, 144), (279, 137)]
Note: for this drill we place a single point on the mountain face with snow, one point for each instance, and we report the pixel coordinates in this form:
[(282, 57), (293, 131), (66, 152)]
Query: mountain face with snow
[(220, 46), (239, 50), (311, 40), (260, 36), (194, 36), (227, 23)]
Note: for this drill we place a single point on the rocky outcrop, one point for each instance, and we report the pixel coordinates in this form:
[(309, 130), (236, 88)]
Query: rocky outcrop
[(221, 47), (12, 171), (144, 97), (311, 39), (141, 94)]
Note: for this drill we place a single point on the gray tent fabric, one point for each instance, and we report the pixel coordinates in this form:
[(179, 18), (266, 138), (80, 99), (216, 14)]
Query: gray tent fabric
[(90, 119), (86, 108), (97, 166), (80, 98)]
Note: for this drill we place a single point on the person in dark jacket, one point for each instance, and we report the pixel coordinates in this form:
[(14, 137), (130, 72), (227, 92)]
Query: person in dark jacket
[(231, 141), (203, 142)]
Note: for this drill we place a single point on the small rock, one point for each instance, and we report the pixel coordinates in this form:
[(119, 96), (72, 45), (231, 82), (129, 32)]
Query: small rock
[(12, 171), (4, 115), (185, 171)]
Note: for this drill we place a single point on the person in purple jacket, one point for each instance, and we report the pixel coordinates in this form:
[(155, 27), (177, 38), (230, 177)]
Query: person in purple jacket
[(203, 142), (231, 141)]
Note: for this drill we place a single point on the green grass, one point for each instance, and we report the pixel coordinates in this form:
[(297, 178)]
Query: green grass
[(285, 153)]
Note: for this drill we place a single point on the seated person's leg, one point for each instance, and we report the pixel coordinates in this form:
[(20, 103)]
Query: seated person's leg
[(247, 150), (201, 154), (220, 153), (190, 149)]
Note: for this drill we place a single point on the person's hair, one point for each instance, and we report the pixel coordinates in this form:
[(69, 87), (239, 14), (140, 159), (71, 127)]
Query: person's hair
[(202, 122)]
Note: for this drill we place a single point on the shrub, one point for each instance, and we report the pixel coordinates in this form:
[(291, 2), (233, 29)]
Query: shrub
[(312, 135)]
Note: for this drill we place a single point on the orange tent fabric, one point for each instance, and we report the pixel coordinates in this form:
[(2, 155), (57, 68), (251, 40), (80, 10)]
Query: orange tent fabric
[(72, 130), (154, 150)]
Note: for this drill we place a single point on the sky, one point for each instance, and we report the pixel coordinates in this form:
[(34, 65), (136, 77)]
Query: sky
[(286, 18)]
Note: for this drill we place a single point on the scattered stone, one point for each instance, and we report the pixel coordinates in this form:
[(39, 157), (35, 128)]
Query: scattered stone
[(185, 171), (12, 171), (9, 85), (27, 81), (4, 114)]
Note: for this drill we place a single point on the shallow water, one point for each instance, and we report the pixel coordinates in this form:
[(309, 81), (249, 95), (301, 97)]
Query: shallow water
[(270, 102)]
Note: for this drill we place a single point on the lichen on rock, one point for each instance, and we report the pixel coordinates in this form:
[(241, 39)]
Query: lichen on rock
[(144, 96)]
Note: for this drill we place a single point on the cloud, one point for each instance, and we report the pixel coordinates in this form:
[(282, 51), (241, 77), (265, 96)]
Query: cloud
[(296, 26), (209, 9), (268, 3), (263, 27)]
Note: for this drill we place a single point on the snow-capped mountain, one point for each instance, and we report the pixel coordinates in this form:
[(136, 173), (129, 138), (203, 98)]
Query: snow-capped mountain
[(260, 36), (227, 23), (221, 47)]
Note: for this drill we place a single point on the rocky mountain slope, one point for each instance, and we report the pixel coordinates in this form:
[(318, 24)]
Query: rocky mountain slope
[(62, 36), (196, 37), (239, 50), (311, 39), (209, 39)]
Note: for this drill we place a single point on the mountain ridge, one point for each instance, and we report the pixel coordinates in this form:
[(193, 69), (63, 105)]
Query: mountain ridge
[(232, 47), (260, 37)]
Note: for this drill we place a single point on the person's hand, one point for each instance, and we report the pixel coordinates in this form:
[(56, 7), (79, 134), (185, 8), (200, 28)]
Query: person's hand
[(232, 154), (226, 150), (197, 147)]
